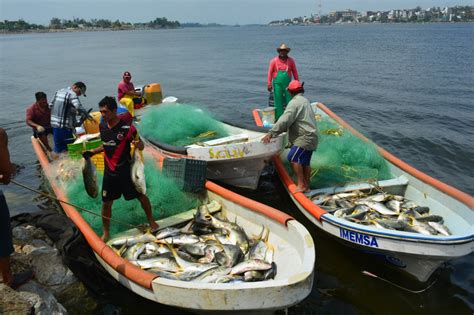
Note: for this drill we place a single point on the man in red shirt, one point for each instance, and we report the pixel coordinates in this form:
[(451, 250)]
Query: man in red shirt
[(38, 117), (127, 95), (117, 134)]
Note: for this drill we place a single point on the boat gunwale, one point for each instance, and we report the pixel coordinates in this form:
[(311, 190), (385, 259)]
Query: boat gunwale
[(125, 268)]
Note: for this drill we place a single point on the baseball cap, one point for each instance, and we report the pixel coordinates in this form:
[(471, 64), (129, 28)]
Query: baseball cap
[(82, 87), (295, 85), (127, 74)]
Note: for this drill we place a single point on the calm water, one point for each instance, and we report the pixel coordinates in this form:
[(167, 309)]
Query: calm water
[(410, 88)]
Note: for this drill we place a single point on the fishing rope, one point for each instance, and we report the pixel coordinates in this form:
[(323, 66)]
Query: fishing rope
[(369, 274), (140, 227)]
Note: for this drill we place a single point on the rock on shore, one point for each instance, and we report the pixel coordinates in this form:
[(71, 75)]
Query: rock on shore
[(54, 288)]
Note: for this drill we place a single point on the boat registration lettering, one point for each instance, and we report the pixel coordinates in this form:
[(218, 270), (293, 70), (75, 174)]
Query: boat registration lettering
[(226, 154), (359, 238)]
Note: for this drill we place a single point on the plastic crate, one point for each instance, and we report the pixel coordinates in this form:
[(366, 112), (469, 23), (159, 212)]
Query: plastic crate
[(75, 149), (189, 174), (98, 161)]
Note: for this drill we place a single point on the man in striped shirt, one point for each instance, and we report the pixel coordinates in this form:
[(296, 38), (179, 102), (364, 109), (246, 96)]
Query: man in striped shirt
[(64, 109)]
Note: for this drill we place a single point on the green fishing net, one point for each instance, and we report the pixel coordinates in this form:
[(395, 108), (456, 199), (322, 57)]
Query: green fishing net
[(165, 196), (180, 125), (342, 158)]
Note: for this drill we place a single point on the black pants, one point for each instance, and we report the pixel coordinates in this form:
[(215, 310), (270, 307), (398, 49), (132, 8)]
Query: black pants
[(6, 243)]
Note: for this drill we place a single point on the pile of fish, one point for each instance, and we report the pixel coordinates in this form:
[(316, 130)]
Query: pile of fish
[(208, 249), (383, 210)]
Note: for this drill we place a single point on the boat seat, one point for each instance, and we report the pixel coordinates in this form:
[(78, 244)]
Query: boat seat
[(394, 186), (226, 140)]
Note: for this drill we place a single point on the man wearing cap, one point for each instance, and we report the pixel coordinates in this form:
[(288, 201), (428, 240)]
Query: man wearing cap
[(298, 119), (280, 71), (127, 95), (38, 117), (64, 109)]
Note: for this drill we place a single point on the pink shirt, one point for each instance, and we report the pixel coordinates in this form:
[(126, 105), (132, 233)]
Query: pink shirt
[(276, 64), (123, 88)]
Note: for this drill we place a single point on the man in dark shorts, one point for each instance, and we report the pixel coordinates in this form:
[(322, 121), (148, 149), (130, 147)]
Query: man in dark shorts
[(6, 243), (38, 117), (298, 119), (117, 134)]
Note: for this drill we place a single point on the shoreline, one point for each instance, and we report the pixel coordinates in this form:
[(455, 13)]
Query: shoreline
[(86, 30)]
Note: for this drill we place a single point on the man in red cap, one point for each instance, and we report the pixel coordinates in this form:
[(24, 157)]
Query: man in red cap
[(298, 119), (127, 95)]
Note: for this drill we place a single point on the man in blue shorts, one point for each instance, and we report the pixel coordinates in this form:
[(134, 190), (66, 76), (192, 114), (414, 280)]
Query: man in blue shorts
[(298, 119)]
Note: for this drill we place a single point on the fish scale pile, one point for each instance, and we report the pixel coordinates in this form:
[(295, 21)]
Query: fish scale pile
[(383, 210), (208, 249)]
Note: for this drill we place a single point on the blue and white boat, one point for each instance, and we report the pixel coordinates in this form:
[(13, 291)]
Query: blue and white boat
[(417, 254)]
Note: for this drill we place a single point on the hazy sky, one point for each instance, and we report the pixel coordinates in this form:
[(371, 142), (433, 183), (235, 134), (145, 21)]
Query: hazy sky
[(203, 11)]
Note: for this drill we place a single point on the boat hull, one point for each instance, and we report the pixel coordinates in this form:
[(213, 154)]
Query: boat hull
[(294, 256), (237, 164)]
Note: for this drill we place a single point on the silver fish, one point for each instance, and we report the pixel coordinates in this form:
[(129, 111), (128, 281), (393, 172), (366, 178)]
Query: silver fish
[(380, 208), (137, 172), (153, 250), (251, 264), (89, 175), (132, 240), (191, 266), (423, 227), (253, 275), (134, 251), (168, 231), (180, 239), (196, 249), (211, 275), (442, 229), (179, 276), (394, 205), (163, 262)]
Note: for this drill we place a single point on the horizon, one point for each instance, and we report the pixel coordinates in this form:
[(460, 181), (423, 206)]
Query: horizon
[(226, 12)]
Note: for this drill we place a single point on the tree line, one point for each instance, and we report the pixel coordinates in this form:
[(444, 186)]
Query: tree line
[(78, 23)]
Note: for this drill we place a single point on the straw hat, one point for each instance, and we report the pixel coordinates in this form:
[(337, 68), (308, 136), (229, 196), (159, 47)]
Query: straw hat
[(283, 47)]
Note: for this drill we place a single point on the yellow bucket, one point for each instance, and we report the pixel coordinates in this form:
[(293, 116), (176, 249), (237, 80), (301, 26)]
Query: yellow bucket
[(152, 93), (92, 126)]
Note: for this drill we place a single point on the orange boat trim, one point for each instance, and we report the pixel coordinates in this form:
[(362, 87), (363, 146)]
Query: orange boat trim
[(130, 271)]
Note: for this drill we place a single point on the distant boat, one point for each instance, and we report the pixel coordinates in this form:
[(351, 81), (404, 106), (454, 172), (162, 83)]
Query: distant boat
[(417, 254), (236, 160)]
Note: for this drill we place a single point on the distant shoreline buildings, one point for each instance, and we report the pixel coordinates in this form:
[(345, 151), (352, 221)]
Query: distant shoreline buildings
[(416, 15)]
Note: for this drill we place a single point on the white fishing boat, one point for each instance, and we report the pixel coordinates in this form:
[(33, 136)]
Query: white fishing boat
[(236, 160), (294, 256), (417, 254)]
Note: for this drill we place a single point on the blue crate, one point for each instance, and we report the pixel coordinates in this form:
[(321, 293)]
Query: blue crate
[(189, 174)]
